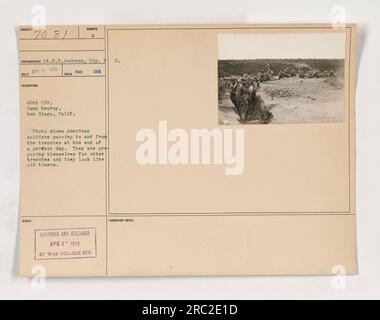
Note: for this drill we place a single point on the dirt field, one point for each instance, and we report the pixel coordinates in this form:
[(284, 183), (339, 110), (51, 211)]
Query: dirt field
[(294, 101)]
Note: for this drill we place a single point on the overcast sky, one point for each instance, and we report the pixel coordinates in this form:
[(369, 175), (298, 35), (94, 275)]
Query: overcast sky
[(282, 46)]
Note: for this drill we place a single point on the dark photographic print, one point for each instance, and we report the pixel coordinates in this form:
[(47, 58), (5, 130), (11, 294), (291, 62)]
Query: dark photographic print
[(281, 78)]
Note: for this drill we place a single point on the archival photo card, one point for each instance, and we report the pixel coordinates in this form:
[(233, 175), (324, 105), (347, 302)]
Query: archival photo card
[(281, 78), (119, 131)]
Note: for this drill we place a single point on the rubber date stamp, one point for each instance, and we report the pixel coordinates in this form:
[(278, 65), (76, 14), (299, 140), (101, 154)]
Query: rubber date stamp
[(75, 243)]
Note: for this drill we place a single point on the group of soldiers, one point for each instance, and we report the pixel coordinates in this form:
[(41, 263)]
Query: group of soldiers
[(310, 74), (265, 74), (243, 96), (287, 73), (243, 90), (316, 74)]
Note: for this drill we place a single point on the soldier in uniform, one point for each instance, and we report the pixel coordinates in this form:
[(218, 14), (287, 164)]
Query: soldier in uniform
[(235, 95), (243, 96)]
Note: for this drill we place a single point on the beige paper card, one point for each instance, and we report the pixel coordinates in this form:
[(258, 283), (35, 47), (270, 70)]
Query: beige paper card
[(187, 150)]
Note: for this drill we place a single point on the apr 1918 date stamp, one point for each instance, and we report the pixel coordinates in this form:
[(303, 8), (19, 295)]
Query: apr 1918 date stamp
[(70, 243)]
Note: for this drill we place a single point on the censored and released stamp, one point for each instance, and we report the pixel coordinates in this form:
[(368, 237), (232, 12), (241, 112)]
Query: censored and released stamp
[(66, 243)]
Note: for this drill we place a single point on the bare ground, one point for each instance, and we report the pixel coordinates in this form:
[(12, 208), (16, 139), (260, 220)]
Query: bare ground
[(294, 101)]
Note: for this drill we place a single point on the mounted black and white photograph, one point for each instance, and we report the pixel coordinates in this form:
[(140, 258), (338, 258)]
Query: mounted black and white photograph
[(281, 78)]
